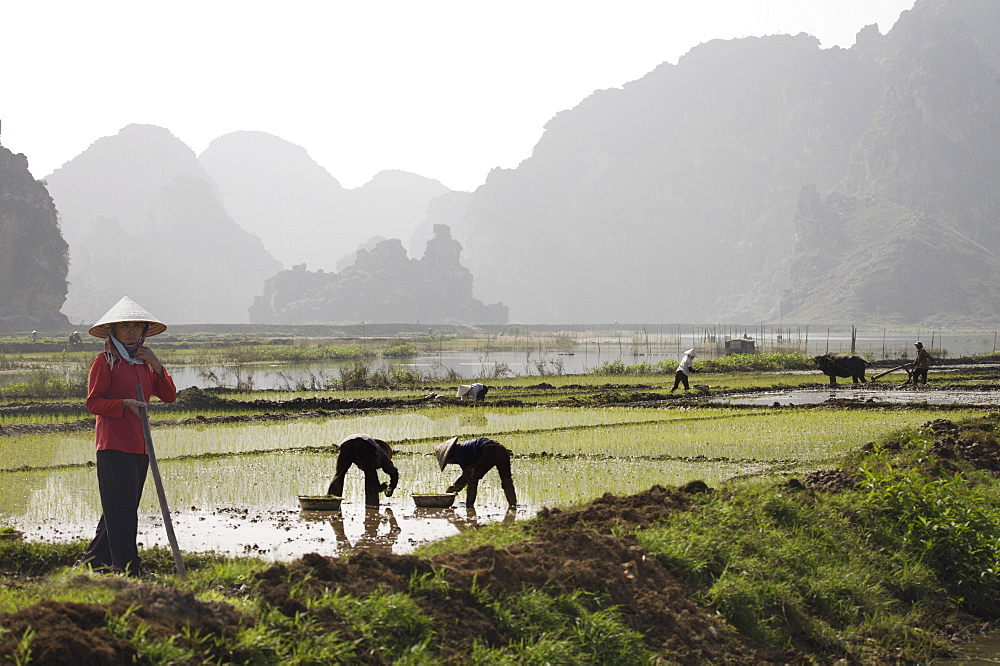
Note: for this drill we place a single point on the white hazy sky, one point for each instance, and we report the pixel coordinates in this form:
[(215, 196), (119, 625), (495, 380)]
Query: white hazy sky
[(447, 89)]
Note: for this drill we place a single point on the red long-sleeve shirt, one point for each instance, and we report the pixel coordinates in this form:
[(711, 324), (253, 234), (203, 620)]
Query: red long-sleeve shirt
[(118, 427)]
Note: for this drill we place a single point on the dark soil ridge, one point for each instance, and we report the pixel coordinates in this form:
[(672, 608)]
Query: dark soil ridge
[(77, 633)]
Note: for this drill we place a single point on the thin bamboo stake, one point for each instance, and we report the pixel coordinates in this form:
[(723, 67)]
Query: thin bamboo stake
[(160, 493)]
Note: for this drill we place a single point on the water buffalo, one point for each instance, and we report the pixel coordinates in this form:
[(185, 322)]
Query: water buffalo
[(841, 365)]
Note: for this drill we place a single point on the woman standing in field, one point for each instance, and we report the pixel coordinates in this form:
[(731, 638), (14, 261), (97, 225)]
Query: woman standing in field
[(122, 461)]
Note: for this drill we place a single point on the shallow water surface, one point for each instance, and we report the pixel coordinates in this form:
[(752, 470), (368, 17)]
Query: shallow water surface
[(286, 532), (865, 394), (247, 505)]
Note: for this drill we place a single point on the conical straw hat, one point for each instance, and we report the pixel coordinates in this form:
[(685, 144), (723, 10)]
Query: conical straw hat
[(442, 450), (126, 310)]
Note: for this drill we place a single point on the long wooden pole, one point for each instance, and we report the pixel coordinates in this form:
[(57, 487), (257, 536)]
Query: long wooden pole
[(160, 494), (882, 374)]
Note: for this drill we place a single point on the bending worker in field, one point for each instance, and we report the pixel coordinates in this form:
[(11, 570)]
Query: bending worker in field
[(683, 370), (476, 457), (370, 455)]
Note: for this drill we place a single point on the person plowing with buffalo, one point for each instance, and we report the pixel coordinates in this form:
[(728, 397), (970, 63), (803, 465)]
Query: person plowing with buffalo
[(921, 364)]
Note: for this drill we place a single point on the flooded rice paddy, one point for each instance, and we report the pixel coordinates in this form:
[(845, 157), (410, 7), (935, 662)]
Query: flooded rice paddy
[(233, 488)]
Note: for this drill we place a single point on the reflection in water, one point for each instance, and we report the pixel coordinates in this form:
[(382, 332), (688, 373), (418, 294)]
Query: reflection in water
[(383, 533), (373, 539)]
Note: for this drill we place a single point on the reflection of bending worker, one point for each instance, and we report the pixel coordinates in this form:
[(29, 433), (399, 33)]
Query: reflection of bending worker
[(476, 457), (370, 455), (370, 540)]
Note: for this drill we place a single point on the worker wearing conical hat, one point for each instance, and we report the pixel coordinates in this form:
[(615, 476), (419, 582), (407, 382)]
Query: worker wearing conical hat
[(684, 368), (122, 460), (476, 457)]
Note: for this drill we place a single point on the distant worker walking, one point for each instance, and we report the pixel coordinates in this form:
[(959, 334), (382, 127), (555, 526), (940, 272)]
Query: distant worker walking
[(476, 457), (921, 364), (683, 370), (370, 455)]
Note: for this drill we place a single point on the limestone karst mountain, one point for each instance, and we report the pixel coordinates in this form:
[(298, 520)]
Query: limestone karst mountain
[(758, 179), (117, 176), (383, 285), (33, 261), (272, 188), (685, 195), (143, 218)]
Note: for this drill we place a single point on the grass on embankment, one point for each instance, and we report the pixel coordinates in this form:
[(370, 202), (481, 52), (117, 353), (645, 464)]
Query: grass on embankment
[(871, 573)]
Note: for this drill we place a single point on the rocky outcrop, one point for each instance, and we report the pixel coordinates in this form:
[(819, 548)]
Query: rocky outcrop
[(33, 261), (383, 285)]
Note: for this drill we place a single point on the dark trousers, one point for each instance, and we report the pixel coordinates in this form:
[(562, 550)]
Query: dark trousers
[(120, 478), (356, 452), (494, 455), (678, 378), (919, 373)]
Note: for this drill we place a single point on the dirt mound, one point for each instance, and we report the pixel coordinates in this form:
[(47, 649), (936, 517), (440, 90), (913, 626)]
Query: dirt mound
[(74, 633), (561, 557), (977, 447), (609, 511), (66, 633), (830, 480), (652, 600)]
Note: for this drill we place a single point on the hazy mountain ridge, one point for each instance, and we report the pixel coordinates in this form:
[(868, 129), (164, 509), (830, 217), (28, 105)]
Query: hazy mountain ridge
[(757, 179), (383, 285), (679, 192), (274, 189), (122, 174), (32, 251), (144, 219)]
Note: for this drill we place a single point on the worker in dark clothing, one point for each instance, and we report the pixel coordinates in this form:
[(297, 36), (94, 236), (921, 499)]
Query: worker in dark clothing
[(370, 455), (476, 457), (921, 364)]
